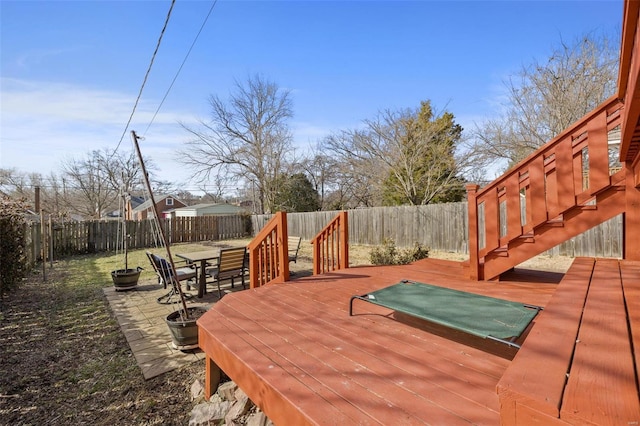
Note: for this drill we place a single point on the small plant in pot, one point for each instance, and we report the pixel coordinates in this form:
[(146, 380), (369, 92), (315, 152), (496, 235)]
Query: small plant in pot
[(183, 328), (125, 279), (181, 323)]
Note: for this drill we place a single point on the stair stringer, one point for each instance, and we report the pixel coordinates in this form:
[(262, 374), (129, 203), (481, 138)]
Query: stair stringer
[(576, 220)]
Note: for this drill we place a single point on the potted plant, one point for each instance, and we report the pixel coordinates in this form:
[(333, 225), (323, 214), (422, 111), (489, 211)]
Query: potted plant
[(183, 328), (181, 323), (125, 279)]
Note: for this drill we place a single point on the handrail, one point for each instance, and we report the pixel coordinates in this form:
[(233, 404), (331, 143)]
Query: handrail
[(268, 258), (544, 185), (331, 246)]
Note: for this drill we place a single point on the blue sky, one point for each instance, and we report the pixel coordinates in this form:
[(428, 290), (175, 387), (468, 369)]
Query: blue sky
[(71, 70)]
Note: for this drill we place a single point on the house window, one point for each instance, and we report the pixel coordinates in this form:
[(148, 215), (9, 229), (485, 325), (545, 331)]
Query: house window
[(169, 201)]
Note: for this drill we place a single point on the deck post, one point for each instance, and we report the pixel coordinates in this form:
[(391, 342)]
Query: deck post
[(474, 261), (212, 377), (344, 241), (283, 249), (631, 222)]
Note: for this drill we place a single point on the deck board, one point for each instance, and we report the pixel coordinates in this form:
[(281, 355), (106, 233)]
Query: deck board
[(391, 334), (342, 366), (300, 368), (578, 366), (630, 272), (603, 341), (400, 361), (294, 349), (550, 346)]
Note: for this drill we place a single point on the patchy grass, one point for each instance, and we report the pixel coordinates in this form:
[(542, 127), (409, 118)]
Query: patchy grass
[(65, 360)]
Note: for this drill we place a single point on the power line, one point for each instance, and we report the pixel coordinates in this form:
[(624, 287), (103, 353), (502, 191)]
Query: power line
[(181, 65), (75, 186), (144, 81)]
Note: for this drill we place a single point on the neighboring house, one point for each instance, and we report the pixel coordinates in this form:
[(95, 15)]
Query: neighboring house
[(165, 204), (221, 209), (133, 201)]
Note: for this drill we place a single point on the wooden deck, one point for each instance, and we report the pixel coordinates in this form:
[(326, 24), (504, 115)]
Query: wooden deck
[(586, 344), (299, 356)]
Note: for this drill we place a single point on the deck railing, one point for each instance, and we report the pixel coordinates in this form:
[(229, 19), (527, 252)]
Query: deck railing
[(268, 253), (331, 246), (543, 186)]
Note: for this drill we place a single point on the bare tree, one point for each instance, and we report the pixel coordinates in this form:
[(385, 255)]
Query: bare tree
[(15, 183), (359, 171), (22, 185), (401, 157), (322, 172), (92, 190), (545, 98), (247, 137), (91, 185)]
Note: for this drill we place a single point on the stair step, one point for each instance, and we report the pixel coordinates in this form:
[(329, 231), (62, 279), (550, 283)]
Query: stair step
[(527, 238), (572, 222), (555, 223), (501, 251), (586, 207)]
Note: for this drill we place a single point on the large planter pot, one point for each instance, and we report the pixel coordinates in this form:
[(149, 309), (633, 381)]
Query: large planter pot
[(125, 279), (184, 333)]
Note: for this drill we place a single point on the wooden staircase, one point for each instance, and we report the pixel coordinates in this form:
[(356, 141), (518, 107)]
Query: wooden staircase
[(563, 189)]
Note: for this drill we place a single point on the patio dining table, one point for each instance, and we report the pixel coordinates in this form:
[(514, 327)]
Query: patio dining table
[(203, 257)]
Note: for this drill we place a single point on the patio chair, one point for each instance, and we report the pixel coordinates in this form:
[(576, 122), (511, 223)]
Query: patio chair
[(163, 270), (231, 265), (294, 247)]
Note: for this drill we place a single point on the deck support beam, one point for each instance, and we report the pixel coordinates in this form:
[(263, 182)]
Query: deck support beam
[(212, 377)]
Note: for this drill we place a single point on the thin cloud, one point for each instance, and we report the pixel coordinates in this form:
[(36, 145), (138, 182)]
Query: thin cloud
[(46, 123), (35, 57)]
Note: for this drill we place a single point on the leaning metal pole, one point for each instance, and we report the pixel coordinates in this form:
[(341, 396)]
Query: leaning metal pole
[(184, 313)]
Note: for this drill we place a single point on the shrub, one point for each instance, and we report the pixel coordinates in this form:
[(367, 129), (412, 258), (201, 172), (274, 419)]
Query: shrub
[(388, 254), (385, 254), (417, 252), (13, 266)]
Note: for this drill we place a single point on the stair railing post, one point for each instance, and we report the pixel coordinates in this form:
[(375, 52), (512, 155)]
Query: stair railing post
[(474, 261), (283, 247), (344, 241)]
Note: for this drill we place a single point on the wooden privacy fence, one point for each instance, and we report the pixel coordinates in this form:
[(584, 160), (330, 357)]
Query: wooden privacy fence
[(105, 235), (437, 226)]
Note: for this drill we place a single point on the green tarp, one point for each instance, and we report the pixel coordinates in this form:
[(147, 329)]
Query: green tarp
[(472, 313)]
